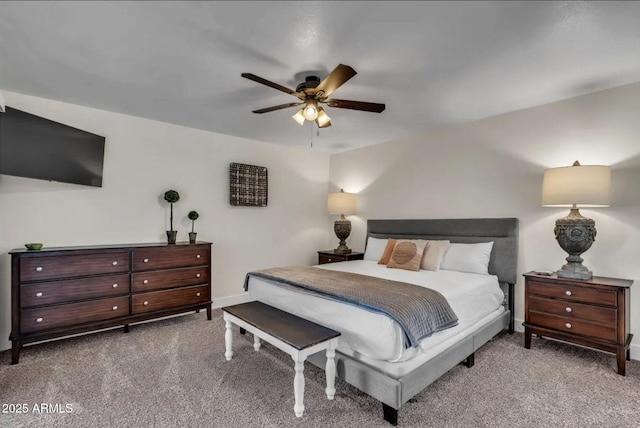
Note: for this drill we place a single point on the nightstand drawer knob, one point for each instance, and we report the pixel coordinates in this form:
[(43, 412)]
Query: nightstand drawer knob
[(145, 261), (114, 263), (568, 293), (115, 285), (197, 294), (568, 325), (39, 320), (115, 308), (198, 256), (330, 260), (197, 275), (568, 309), (146, 281), (145, 303), (39, 269), (39, 294)]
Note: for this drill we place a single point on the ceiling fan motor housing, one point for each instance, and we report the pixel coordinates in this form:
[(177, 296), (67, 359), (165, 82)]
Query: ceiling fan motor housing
[(310, 82)]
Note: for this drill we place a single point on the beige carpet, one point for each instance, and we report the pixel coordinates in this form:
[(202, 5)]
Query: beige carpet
[(172, 373)]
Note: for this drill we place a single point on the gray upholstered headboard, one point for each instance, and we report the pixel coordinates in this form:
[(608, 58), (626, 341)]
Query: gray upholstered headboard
[(502, 231)]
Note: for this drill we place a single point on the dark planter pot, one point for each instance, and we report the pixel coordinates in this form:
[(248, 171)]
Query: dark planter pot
[(171, 236), (192, 237)]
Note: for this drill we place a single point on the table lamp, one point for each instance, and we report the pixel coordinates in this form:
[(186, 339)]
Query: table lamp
[(342, 203)]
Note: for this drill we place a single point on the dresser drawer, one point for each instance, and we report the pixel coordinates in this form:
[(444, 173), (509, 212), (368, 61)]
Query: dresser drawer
[(170, 257), (574, 293), (44, 293), (573, 326), (154, 280), (573, 310), (157, 300), (73, 313), (53, 267)]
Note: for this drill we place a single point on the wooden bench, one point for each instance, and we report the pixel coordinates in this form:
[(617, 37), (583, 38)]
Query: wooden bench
[(294, 335)]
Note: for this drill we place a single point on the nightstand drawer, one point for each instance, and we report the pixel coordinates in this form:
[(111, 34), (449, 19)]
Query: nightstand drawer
[(573, 326), (574, 293), (323, 259), (573, 310)]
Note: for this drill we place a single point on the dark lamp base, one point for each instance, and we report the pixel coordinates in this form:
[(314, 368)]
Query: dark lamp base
[(342, 249), (575, 234)]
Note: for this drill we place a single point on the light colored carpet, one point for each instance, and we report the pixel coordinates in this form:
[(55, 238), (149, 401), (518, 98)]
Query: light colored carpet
[(172, 373)]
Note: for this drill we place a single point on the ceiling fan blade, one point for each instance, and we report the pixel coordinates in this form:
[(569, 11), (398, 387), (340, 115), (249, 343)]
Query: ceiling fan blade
[(274, 108), (334, 80), (266, 82), (356, 105)]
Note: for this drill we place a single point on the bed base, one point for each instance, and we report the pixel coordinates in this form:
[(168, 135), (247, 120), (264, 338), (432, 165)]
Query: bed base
[(392, 392)]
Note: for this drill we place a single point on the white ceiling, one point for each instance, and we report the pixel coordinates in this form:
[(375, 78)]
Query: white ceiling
[(432, 63)]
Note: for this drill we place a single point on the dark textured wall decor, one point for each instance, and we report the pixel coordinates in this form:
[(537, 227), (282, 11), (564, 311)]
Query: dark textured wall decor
[(247, 185)]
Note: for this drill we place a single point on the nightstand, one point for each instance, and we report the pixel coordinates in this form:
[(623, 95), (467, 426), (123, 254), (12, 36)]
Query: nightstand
[(592, 313), (329, 256)]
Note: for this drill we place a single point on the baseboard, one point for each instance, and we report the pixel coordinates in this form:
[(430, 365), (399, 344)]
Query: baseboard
[(230, 300), (634, 350)]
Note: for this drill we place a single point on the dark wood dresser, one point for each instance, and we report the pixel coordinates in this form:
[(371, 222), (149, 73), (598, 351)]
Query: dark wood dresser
[(329, 256), (593, 313), (61, 291)]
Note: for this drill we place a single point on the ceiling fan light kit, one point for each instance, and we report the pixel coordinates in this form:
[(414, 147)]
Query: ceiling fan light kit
[(313, 91)]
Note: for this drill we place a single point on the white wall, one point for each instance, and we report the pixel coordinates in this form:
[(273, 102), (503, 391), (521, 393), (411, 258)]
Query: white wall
[(494, 167), (144, 158)]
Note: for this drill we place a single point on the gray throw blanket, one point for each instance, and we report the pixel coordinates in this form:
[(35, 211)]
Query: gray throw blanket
[(418, 310)]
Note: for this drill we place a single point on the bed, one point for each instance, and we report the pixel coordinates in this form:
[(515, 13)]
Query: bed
[(372, 355)]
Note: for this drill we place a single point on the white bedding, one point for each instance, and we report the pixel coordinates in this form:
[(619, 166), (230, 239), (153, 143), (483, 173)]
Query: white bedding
[(473, 297)]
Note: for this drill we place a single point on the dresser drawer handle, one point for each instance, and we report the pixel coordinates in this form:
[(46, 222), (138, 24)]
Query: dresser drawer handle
[(568, 325), (198, 256), (39, 320), (146, 281), (145, 303), (197, 294), (568, 309), (197, 275), (115, 285), (115, 308), (568, 293), (39, 269), (114, 263), (39, 294), (330, 260), (145, 261)]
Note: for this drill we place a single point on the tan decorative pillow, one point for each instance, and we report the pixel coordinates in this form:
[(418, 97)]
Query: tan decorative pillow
[(407, 254), (433, 255), (386, 254)]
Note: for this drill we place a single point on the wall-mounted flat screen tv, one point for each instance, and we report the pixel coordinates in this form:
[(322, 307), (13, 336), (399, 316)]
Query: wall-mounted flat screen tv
[(35, 147)]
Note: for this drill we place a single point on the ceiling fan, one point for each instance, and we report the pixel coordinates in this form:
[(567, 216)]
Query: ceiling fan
[(312, 92)]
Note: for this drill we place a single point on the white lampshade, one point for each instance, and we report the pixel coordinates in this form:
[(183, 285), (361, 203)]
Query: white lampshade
[(341, 203), (580, 185), (299, 117)]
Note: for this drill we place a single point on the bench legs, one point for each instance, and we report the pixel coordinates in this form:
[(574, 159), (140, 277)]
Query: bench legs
[(228, 340), (298, 386), (256, 342), (330, 371)]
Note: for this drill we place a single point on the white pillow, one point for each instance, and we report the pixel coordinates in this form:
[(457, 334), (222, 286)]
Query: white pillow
[(375, 248), (473, 258)]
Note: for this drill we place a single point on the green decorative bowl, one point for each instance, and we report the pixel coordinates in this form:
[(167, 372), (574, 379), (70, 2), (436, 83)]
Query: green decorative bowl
[(33, 246)]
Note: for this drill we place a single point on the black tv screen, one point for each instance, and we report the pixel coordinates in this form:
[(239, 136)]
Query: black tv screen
[(35, 147)]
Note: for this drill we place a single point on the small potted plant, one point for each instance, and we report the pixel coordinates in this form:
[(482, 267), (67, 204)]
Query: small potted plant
[(193, 216), (172, 197)]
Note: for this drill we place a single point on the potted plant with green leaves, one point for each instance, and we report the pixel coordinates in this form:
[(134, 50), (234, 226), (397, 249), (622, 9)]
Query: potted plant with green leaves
[(193, 216), (172, 197)]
